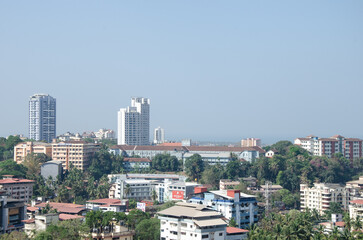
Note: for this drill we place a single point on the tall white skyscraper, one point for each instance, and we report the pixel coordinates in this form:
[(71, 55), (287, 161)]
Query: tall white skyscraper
[(42, 117), (133, 126), (159, 135)]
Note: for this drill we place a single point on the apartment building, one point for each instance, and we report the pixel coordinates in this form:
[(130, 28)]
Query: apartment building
[(21, 150), (251, 142), (159, 135), (230, 203), (16, 188), (42, 117), (77, 153), (137, 189), (356, 208), (174, 190), (134, 123), (321, 195), (350, 147), (186, 221), (108, 205)]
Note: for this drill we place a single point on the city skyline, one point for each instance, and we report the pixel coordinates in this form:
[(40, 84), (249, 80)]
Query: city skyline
[(271, 70)]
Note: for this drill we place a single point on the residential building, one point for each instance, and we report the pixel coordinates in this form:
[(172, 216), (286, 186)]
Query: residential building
[(225, 184), (234, 233), (146, 176), (131, 164), (174, 190), (186, 221), (16, 188), (131, 189), (108, 205), (356, 208), (105, 134), (68, 136), (77, 153), (251, 142), (42, 117), (12, 213), (230, 203), (321, 195), (134, 123), (159, 135), (40, 223), (51, 169), (271, 153), (350, 147), (21, 150), (116, 232)]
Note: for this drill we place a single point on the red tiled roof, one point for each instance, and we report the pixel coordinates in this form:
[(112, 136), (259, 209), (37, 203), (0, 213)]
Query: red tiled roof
[(174, 144), (357, 201), (337, 136), (63, 217), (105, 201), (28, 220), (353, 139), (232, 230), (137, 160), (15, 180), (32, 209), (224, 149), (64, 207), (340, 224)]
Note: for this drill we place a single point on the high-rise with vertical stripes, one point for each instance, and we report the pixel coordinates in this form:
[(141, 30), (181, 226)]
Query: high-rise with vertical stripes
[(42, 117), (133, 126)]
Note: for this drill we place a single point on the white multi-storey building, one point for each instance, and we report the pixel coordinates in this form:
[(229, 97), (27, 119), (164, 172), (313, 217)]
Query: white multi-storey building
[(321, 195), (350, 147), (134, 123), (42, 117), (131, 189), (159, 135), (186, 221)]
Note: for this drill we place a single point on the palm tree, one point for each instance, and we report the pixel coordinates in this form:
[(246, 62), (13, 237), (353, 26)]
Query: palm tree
[(127, 190), (154, 195)]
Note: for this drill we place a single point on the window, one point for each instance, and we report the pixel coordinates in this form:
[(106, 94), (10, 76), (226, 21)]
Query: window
[(205, 236), (220, 234)]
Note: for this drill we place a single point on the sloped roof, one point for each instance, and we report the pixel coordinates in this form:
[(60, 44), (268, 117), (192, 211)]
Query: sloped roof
[(233, 230)]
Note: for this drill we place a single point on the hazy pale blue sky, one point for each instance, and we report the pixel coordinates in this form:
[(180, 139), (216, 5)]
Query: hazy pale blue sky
[(214, 70)]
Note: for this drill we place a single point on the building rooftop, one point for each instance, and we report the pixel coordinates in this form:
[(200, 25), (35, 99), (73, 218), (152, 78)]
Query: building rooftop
[(234, 230), (189, 210), (64, 207), (63, 217), (15, 180), (137, 160), (223, 193), (105, 201)]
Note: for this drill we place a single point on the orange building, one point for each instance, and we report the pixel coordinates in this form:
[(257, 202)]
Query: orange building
[(21, 150)]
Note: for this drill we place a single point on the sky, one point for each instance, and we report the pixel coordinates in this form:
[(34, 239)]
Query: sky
[(213, 70)]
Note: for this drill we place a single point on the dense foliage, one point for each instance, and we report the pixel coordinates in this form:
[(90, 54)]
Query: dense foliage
[(7, 147)]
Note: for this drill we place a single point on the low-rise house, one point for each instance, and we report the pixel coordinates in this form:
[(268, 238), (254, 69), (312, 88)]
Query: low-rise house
[(187, 221), (271, 153), (107, 204), (40, 223), (225, 184), (234, 233), (117, 232), (131, 164), (230, 203), (67, 208), (17, 188)]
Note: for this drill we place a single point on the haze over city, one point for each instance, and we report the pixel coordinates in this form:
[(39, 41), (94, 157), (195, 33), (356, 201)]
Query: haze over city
[(213, 71)]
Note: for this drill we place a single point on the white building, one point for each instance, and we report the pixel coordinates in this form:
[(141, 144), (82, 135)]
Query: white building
[(321, 195), (105, 134), (174, 190), (107, 205), (251, 142), (356, 208), (131, 189), (131, 164), (159, 135), (350, 147), (42, 117), (186, 221), (134, 123)]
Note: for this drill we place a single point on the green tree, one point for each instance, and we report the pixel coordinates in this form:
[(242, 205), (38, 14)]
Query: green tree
[(212, 174), (148, 229), (194, 167), (10, 167)]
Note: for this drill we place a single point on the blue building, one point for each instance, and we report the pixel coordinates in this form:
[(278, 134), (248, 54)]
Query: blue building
[(230, 203)]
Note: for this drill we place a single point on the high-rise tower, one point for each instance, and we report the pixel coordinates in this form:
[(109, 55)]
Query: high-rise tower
[(159, 135), (42, 117), (133, 126)]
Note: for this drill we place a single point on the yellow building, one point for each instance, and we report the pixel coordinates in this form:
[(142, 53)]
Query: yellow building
[(21, 150), (77, 153)]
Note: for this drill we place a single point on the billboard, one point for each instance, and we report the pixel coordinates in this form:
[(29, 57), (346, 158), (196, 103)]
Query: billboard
[(177, 195), (141, 206)]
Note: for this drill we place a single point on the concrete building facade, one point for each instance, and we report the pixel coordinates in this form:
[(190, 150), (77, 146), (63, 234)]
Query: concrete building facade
[(159, 135), (134, 123), (16, 188), (21, 150), (251, 142), (42, 117), (51, 169), (186, 221), (77, 153), (350, 147)]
